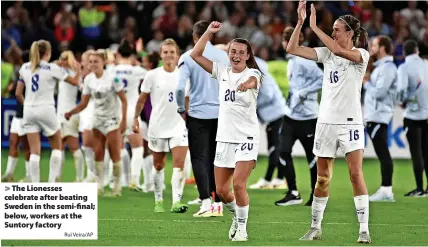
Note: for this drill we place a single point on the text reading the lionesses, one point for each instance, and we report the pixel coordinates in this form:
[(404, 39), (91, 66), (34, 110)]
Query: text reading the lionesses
[(49, 211)]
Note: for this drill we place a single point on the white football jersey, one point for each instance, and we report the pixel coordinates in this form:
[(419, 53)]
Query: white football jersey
[(67, 95), (131, 77), (103, 92), (40, 84), (341, 88), (165, 122), (237, 118)]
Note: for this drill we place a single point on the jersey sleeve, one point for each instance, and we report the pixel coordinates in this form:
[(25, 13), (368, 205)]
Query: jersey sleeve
[(218, 70), (86, 90), (256, 73), (117, 84), (146, 86), (58, 73), (364, 54), (323, 53), (187, 90)]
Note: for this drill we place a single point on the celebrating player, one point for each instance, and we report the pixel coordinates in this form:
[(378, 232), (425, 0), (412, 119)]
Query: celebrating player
[(107, 127), (67, 96), (238, 127), (340, 122), (40, 78), (167, 130), (131, 77)]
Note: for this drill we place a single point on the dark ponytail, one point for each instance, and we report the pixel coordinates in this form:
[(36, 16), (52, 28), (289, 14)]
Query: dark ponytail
[(251, 62), (361, 37)]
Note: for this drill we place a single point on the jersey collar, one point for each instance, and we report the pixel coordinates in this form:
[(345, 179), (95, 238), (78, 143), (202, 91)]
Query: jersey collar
[(384, 60)]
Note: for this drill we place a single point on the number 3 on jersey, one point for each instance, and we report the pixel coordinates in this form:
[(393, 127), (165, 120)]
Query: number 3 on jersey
[(171, 96), (35, 83), (125, 84), (334, 78)]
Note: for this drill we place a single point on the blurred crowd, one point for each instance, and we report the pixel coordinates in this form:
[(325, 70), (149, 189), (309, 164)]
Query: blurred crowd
[(78, 26)]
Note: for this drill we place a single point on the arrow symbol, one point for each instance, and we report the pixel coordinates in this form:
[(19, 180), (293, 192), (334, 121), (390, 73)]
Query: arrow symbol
[(7, 188)]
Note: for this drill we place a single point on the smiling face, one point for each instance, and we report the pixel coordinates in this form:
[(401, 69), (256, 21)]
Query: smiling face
[(96, 63), (238, 55), (169, 54), (340, 34)]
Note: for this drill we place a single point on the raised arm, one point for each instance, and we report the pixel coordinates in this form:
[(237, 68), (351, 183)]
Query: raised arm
[(293, 45), (199, 48), (334, 47), (76, 79)]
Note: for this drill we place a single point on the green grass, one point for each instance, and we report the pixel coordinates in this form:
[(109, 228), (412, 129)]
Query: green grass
[(130, 220)]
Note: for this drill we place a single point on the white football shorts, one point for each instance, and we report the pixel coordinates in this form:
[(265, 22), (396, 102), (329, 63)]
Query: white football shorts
[(330, 137), (227, 154)]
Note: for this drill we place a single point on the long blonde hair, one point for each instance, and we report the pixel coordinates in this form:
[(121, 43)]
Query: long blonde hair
[(71, 60), (37, 51)]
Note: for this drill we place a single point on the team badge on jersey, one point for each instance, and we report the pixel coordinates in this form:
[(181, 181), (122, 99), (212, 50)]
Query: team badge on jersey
[(116, 80)]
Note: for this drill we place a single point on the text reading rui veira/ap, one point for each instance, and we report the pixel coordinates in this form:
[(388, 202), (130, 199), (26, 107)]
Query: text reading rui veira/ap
[(49, 211)]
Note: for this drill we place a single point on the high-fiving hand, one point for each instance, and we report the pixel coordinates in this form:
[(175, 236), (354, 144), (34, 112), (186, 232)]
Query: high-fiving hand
[(313, 18), (301, 11)]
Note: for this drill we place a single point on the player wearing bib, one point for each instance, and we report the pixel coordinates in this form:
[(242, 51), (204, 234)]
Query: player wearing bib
[(16, 136), (67, 96), (131, 77), (238, 127), (40, 78), (340, 121), (167, 130), (85, 125), (109, 119)]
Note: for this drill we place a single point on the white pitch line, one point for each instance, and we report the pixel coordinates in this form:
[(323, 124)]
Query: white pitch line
[(255, 222)]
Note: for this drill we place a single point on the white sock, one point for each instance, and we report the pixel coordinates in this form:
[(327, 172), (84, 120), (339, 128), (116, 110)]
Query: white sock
[(318, 206), (126, 160), (11, 164), (27, 169), (117, 172), (147, 170), (187, 166), (35, 168), (136, 163), (99, 165), (362, 209), (78, 163), (62, 161), (242, 216), (387, 189), (158, 177), (206, 203), (55, 165), (231, 206), (177, 184), (89, 160), (108, 168)]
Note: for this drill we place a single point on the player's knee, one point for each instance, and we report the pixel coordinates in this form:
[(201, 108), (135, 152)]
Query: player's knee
[(178, 161), (222, 191), (158, 165), (323, 182), (356, 176), (239, 187)]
